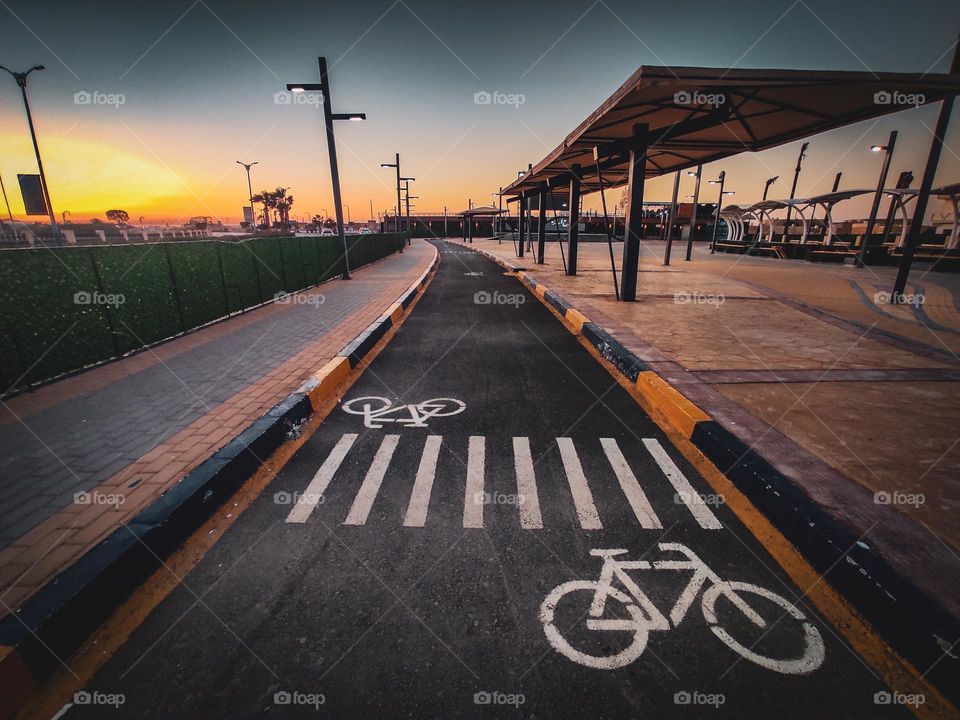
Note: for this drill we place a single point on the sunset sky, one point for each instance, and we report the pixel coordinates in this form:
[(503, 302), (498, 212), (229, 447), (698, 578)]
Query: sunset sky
[(198, 80)]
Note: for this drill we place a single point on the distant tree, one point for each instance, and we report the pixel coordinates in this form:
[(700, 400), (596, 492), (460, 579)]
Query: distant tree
[(283, 204), (96, 221), (269, 202), (120, 217)]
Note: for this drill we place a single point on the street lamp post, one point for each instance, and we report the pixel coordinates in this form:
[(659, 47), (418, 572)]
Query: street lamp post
[(693, 215), (21, 78), (247, 166), (396, 165), (887, 151), (329, 116), (716, 220), (766, 187), (406, 192)]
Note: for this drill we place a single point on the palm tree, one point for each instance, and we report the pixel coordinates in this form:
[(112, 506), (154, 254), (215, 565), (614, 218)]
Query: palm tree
[(283, 203), (269, 201)]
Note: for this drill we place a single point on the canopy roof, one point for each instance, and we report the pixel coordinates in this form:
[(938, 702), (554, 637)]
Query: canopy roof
[(699, 115), (482, 210)]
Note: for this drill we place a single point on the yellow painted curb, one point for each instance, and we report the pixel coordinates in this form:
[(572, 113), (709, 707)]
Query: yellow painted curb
[(395, 311), (328, 377), (576, 320), (676, 409)]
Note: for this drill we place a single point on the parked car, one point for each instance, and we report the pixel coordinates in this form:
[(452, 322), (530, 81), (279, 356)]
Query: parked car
[(327, 232), (365, 231)]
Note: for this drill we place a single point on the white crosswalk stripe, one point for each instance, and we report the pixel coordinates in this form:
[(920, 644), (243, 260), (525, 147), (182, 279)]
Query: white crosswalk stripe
[(423, 485), (631, 488), (685, 492), (372, 482), (529, 501), (311, 496), (528, 497), (582, 497), (473, 500)]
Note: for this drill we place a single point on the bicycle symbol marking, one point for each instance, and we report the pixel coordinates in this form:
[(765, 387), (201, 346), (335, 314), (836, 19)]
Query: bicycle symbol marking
[(644, 616), (378, 410)]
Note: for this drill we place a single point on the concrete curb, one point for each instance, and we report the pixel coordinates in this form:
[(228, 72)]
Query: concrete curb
[(57, 619), (918, 628)]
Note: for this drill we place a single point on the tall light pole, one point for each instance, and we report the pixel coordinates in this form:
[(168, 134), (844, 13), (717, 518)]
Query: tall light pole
[(693, 215), (406, 192), (372, 218), (766, 187), (887, 151), (349, 221), (329, 116), (716, 220), (793, 187), (21, 78), (396, 164), (247, 166)]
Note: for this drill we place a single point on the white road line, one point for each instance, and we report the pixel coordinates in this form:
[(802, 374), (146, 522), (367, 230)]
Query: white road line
[(582, 498), (631, 488), (372, 481), (529, 502), (685, 492), (423, 485), (473, 499), (311, 496)]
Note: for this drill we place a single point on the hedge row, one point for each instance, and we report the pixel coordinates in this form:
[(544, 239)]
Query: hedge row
[(62, 309)]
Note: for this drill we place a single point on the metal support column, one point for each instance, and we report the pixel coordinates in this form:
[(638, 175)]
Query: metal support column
[(877, 197), (521, 222), (573, 227), (693, 215), (926, 184), (633, 224), (542, 226), (671, 218)]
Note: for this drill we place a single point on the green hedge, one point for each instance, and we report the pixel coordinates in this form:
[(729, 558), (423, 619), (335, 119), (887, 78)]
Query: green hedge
[(63, 309)]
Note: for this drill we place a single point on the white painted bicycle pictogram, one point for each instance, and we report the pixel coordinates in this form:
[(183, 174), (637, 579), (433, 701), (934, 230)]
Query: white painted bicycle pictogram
[(643, 615), (378, 410)]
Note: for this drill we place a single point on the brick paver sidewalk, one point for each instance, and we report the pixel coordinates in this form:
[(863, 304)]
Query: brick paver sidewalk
[(806, 363), (132, 428)]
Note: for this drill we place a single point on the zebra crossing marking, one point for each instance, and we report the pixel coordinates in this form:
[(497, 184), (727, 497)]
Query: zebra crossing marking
[(582, 497), (368, 491), (318, 485), (473, 500), (685, 492), (528, 500), (423, 485), (631, 488)]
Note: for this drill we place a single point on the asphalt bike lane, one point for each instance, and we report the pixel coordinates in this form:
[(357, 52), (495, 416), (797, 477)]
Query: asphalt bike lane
[(488, 525)]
